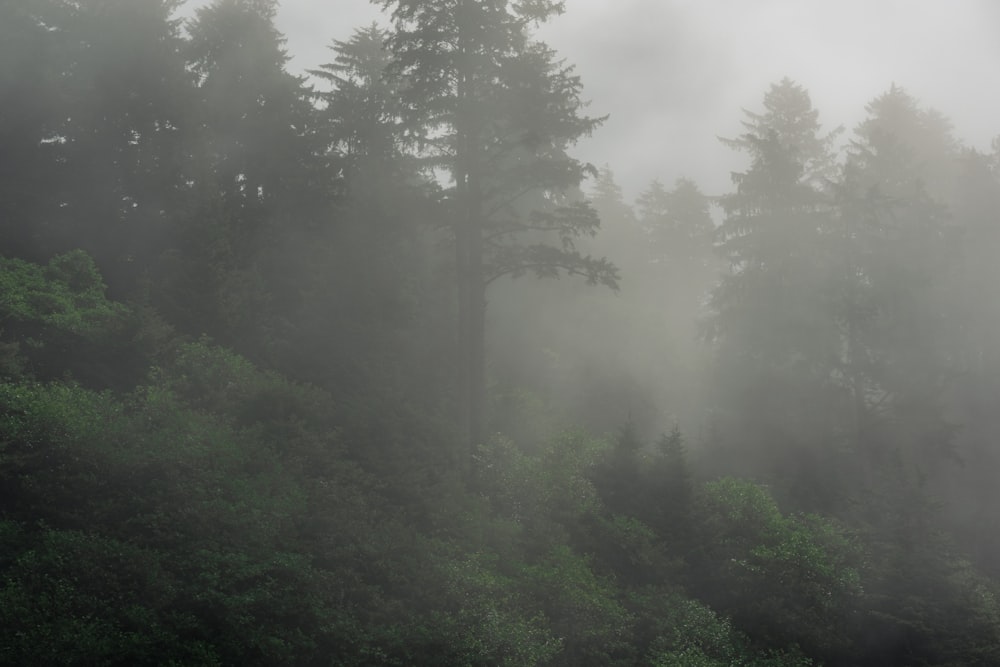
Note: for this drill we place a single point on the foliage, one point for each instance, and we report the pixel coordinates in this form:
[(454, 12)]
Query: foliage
[(491, 618), (772, 321), (497, 111), (582, 608), (786, 581), (693, 635), (228, 346), (548, 491), (67, 296), (56, 320)]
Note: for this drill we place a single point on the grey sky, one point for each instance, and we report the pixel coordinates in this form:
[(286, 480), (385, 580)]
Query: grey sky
[(673, 74)]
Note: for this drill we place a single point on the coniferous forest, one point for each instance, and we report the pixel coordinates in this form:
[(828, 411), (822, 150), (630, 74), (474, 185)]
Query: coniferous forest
[(366, 368)]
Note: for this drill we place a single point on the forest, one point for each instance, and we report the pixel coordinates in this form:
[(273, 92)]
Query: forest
[(364, 368)]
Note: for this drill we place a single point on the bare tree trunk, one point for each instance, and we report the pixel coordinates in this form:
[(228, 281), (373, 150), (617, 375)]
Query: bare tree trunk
[(464, 334), (471, 317), (477, 320), (471, 323), (471, 284)]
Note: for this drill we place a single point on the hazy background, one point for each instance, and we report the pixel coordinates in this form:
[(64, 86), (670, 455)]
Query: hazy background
[(673, 74)]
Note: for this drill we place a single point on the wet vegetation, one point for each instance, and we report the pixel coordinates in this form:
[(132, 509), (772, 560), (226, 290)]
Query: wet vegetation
[(285, 378)]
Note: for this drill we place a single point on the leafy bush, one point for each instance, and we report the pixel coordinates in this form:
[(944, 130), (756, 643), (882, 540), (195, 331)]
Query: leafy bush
[(57, 321), (786, 581), (692, 635), (67, 295)]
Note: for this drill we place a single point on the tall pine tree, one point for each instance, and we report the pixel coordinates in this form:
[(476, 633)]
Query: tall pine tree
[(496, 111), (772, 319), (257, 182)]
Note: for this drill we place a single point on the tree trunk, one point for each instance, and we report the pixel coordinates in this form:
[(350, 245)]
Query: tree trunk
[(471, 317), (464, 334), (469, 245), (477, 319)]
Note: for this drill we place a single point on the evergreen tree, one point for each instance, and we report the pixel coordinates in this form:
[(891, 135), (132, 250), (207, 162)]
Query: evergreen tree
[(976, 362), (362, 112), (496, 111), (387, 314), (898, 250), (672, 485), (112, 78), (773, 321), (258, 186), (679, 226), (255, 117), (29, 72), (609, 202), (680, 236), (618, 479)]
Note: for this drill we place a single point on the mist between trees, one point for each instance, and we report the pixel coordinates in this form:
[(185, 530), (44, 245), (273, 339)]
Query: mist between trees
[(366, 368)]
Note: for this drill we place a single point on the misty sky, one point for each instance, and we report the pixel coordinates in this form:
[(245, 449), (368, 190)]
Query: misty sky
[(673, 74)]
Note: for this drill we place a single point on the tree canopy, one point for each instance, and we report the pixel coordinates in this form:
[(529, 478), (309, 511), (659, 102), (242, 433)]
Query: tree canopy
[(254, 409)]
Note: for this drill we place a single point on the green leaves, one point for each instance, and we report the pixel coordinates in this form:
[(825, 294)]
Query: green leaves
[(692, 635), (786, 581), (67, 296), (74, 597), (491, 622)]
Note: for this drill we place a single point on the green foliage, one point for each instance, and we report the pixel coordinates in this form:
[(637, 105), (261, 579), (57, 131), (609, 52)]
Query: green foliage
[(217, 380), (99, 166), (582, 608), (924, 601), (58, 322), (618, 477), (497, 111), (692, 635), (491, 623), (786, 581), (214, 512), (549, 492), (183, 501), (66, 296), (631, 551), (671, 485), (73, 598)]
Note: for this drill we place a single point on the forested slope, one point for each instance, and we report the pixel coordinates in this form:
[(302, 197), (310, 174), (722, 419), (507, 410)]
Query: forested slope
[(256, 409)]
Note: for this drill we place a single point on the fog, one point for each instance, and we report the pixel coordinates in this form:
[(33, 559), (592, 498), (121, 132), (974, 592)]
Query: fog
[(483, 332), (672, 77), (671, 74)]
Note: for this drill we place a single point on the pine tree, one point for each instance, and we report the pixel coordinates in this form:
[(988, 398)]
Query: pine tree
[(29, 71), (101, 164), (258, 185), (672, 487), (899, 253), (773, 320), (362, 111), (386, 316), (496, 111), (680, 236)]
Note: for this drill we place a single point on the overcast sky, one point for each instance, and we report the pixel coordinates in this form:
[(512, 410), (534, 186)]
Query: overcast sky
[(673, 74)]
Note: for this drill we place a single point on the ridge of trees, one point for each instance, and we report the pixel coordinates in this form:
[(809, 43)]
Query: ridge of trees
[(234, 304)]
